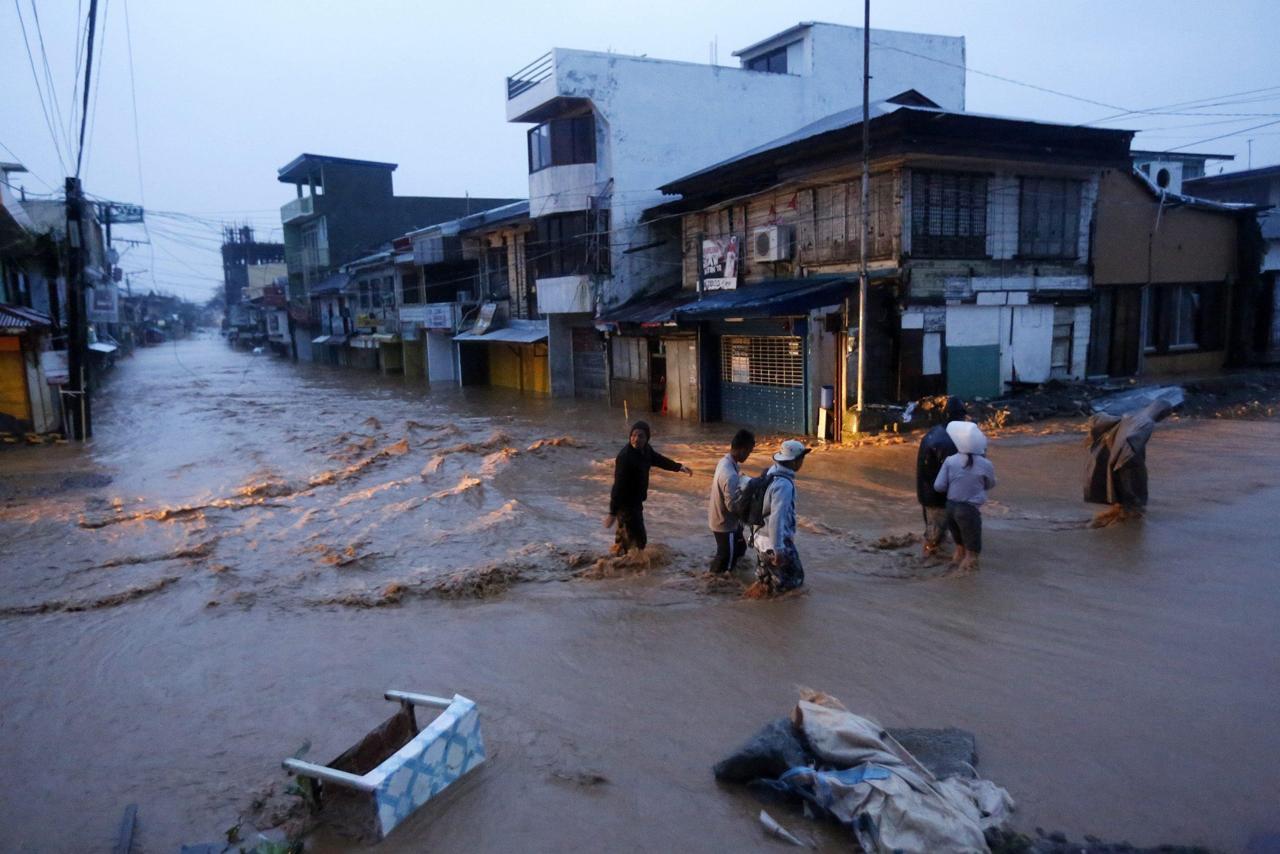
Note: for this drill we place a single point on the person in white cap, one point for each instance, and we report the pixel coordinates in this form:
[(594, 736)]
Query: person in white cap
[(779, 567), (965, 478)]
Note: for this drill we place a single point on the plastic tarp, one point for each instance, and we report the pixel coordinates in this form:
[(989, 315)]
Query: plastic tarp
[(867, 781)]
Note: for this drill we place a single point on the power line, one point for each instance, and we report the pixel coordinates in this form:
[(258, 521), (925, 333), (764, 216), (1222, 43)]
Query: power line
[(29, 171), (133, 96), (1225, 135), (35, 77), (48, 73), (97, 81)]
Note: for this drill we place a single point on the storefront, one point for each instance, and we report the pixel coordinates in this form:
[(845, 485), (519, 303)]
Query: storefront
[(766, 350), (27, 402), (653, 361), (514, 356)]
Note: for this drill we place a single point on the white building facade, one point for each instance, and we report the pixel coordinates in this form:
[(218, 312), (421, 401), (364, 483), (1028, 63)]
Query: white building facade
[(609, 129)]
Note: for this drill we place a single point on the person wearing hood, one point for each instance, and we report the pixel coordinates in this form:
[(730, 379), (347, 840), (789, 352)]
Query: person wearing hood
[(631, 488), (935, 447), (779, 568), (1116, 470), (964, 478)]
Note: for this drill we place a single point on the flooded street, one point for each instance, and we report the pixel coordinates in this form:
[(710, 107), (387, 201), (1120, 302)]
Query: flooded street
[(250, 552)]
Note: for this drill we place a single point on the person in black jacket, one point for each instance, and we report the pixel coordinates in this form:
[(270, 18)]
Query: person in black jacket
[(935, 447), (631, 488)]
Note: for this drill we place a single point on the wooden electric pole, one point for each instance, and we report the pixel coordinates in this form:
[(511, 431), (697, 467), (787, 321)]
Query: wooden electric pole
[(866, 214), (77, 327)]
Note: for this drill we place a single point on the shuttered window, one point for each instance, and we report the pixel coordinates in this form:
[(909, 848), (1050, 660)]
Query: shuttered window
[(768, 361), (948, 215), (1049, 218)]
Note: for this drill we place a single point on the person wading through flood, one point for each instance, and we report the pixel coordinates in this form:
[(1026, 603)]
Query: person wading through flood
[(935, 447), (1116, 471), (965, 477), (631, 488), (779, 567), (726, 486)]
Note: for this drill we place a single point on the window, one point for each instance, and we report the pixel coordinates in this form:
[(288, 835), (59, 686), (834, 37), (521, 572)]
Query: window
[(560, 142), (389, 291), (363, 290), (948, 215), (774, 62), (631, 359), (572, 244), (1183, 317), (497, 283), (410, 288), (1049, 218), (772, 361)]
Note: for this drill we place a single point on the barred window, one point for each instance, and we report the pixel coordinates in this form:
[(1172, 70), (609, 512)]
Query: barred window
[(948, 215), (631, 359), (772, 361), (1049, 218)]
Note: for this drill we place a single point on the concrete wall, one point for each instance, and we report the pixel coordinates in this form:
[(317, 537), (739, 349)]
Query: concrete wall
[(560, 351), (658, 120)]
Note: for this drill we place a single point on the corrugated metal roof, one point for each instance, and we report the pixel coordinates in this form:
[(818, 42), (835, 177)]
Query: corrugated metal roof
[(777, 297), (519, 332), (17, 317), (652, 310)]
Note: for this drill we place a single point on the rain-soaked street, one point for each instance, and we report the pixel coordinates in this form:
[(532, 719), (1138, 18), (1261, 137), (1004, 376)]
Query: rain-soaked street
[(251, 551)]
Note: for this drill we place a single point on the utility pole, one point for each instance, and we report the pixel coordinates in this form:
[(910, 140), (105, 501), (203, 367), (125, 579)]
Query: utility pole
[(77, 329), (866, 213)]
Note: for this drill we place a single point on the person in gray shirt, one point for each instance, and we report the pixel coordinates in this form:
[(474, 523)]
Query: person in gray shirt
[(965, 477), (725, 525)]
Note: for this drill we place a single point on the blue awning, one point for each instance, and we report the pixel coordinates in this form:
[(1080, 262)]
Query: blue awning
[(776, 298)]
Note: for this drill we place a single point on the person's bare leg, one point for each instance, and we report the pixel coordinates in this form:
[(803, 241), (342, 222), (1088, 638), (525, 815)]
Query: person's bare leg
[(1110, 516), (959, 557), (970, 562)]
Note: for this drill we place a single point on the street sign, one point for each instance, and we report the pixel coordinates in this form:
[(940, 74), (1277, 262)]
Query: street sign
[(119, 213)]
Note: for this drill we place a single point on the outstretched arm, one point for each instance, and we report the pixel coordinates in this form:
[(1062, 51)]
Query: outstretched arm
[(667, 463)]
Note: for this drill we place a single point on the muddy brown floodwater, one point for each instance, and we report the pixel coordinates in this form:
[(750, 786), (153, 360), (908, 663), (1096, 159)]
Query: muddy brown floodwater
[(251, 552)]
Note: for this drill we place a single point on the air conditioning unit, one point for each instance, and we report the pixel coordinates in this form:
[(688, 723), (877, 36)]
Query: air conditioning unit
[(1165, 174), (771, 243)]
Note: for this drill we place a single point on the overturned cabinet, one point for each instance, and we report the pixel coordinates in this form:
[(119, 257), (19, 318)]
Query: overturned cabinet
[(395, 769)]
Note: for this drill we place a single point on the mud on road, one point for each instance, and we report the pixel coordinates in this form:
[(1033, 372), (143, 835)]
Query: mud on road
[(252, 551)]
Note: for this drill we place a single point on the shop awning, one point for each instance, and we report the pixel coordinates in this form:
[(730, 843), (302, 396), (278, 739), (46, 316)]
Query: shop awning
[(321, 339), (386, 338), (103, 347), (519, 332), (363, 342), (17, 319), (777, 298), (653, 311)]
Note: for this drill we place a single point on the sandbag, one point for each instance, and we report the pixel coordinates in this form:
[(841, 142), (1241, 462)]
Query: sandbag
[(769, 753)]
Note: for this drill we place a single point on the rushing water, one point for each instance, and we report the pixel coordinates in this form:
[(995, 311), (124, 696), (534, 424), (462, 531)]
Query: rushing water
[(250, 552)]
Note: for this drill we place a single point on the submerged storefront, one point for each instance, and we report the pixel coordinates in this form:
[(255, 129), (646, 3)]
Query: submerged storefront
[(514, 357)]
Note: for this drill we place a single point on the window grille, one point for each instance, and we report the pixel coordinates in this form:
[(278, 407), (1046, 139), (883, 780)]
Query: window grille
[(948, 215), (1049, 218), (769, 361)]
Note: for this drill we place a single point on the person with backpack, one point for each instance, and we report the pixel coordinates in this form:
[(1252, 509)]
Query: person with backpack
[(935, 447), (965, 477), (723, 511), (631, 488), (773, 517)]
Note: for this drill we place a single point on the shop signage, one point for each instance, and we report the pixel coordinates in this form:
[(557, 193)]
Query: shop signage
[(720, 263)]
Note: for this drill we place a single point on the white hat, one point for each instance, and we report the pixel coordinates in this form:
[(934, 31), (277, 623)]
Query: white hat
[(968, 437), (792, 449)]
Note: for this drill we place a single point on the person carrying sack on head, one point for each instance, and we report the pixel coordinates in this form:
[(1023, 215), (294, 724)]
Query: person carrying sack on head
[(722, 510), (965, 477), (778, 562), (935, 447), (631, 488)]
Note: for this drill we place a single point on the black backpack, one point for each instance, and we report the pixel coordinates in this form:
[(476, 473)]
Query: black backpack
[(749, 506)]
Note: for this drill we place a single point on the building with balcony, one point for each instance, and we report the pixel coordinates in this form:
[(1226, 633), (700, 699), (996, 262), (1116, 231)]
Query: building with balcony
[(607, 130), (344, 210)]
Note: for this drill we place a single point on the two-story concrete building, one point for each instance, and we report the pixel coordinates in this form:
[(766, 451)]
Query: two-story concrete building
[(608, 129), (979, 255), (344, 210)]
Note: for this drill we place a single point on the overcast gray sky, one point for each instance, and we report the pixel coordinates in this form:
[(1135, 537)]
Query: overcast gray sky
[(227, 92)]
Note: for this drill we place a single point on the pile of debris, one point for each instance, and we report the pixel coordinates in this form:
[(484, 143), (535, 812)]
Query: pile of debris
[(852, 770)]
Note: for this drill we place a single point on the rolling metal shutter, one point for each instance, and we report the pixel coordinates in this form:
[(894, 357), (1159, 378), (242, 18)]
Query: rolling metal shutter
[(588, 363), (762, 381)]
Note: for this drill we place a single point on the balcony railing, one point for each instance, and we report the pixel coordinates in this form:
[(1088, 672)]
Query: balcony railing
[(300, 207), (531, 75)]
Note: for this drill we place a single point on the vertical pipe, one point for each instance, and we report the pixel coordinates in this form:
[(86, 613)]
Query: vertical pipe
[(866, 213)]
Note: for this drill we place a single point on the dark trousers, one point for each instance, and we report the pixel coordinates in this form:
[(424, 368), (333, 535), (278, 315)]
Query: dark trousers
[(630, 533), (729, 549), (787, 576), (964, 521)]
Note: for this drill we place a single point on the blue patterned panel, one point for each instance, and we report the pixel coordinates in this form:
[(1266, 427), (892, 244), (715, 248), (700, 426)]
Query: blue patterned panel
[(447, 748)]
